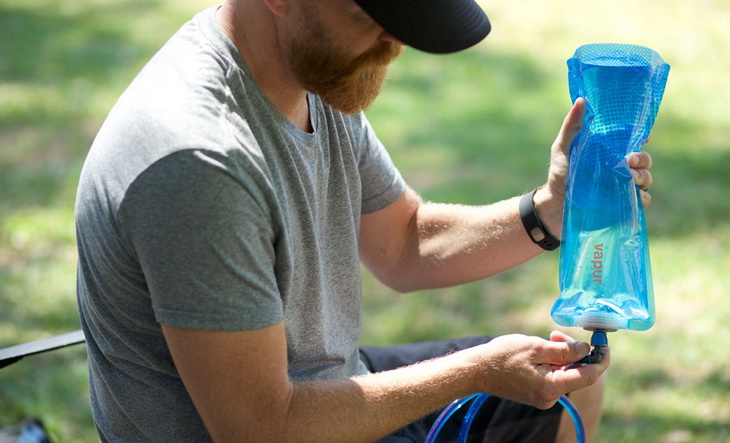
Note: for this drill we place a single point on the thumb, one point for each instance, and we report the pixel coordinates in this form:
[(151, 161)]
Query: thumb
[(566, 352), (571, 126)]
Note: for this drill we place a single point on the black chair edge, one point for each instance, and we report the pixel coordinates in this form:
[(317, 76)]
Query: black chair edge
[(15, 353)]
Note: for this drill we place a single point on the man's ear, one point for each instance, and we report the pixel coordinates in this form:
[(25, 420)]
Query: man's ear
[(277, 7)]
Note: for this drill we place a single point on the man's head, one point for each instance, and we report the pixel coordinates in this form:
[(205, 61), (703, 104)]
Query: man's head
[(341, 49)]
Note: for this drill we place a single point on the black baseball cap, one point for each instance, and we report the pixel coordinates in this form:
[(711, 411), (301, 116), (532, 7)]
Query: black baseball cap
[(436, 26)]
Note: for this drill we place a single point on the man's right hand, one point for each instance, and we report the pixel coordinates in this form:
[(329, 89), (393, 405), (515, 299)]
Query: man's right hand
[(533, 370)]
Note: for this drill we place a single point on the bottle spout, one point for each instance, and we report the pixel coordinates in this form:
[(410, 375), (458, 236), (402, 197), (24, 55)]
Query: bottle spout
[(599, 341)]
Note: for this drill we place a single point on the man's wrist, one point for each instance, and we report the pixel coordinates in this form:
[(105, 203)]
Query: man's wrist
[(549, 209), (535, 223)]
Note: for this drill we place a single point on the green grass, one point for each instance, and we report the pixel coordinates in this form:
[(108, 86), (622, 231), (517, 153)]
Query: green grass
[(468, 128)]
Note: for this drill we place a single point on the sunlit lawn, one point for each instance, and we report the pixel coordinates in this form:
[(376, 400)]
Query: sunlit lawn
[(467, 128)]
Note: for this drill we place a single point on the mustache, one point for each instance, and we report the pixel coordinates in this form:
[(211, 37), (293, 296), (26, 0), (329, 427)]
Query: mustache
[(380, 55), (376, 57)]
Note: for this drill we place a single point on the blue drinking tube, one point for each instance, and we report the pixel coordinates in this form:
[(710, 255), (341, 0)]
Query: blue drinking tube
[(599, 341), (479, 400)]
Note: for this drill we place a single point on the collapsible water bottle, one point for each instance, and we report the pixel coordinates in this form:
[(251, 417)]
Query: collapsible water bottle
[(605, 270)]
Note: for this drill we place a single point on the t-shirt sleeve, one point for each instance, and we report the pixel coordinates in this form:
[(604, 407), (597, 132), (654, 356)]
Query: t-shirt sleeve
[(205, 243), (382, 183)]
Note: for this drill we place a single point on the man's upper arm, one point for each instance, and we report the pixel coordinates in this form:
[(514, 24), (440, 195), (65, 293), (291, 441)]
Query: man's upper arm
[(237, 380), (204, 240), (386, 235)]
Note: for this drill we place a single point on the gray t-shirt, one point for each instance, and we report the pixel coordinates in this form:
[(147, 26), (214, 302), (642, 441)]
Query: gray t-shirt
[(201, 206)]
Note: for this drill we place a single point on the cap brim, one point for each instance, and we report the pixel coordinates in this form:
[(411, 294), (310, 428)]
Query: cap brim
[(436, 26)]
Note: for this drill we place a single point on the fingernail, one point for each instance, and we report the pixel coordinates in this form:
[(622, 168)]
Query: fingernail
[(582, 348)]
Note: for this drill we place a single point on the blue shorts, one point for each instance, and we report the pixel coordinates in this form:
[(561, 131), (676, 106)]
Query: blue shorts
[(498, 420)]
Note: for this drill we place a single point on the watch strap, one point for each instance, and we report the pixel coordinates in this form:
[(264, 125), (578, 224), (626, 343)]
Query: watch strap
[(533, 225)]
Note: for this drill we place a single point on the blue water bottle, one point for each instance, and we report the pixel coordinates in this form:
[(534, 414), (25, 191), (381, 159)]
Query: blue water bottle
[(605, 271)]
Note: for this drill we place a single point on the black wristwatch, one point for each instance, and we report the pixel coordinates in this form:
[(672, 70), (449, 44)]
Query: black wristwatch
[(534, 227)]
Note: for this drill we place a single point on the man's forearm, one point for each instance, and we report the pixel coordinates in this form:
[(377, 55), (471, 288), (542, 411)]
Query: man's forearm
[(454, 244), (366, 408), (525, 369), (240, 386)]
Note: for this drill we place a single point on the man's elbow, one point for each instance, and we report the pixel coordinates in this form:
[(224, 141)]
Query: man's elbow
[(401, 281)]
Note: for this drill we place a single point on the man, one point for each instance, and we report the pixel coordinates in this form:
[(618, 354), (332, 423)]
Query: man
[(222, 215)]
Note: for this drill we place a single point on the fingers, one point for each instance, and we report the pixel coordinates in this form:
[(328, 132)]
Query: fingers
[(567, 378), (559, 336), (578, 377), (642, 178), (641, 162), (564, 379), (645, 198)]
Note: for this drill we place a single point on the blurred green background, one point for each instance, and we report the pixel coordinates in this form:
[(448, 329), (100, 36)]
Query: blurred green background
[(469, 128)]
